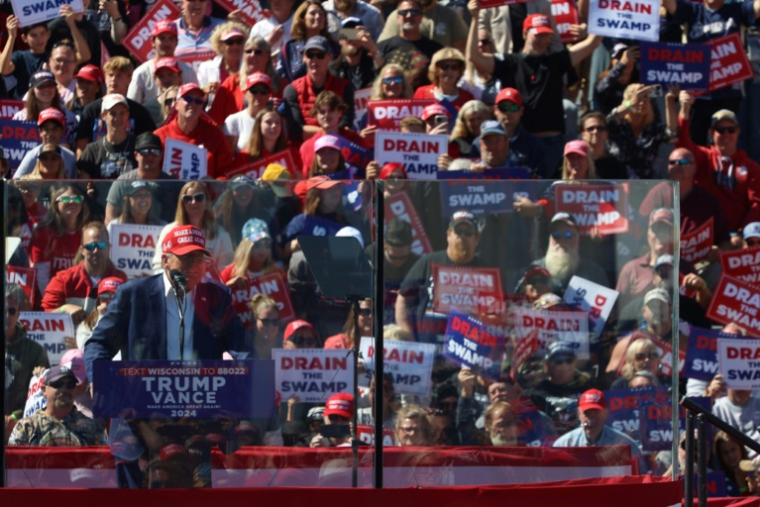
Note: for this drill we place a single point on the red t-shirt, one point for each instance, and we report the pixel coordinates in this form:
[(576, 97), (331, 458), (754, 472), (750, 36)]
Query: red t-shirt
[(207, 136), (60, 251), (228, 99)]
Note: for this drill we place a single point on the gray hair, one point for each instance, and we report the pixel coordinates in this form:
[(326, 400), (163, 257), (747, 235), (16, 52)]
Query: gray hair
[(655, 382), (13, 291)]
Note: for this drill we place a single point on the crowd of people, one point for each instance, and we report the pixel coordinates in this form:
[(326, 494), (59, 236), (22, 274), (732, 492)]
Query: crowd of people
[(512, 100)]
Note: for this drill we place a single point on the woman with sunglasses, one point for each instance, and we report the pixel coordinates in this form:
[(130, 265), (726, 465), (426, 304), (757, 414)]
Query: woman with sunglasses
[(166, 100), (106, 291), (194, 208), (300, 334), (309, 21), (445, 71), (42, 95), (239, 126), (55, 242), (467, 126), (642, 355), (230, 95), (347, 338), (227, 41), (391, 84), (266, 333), (594, 130), (239, 204), (49, 164)]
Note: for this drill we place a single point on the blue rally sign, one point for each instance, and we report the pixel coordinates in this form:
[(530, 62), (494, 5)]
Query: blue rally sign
[(687, 65), (702, 353), (467, 343), (482, 197), (18, 138), (202, 389)]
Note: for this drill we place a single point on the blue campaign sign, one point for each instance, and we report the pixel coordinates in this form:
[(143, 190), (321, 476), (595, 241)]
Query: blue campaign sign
[(316, 226), (482, 197), (202, 389), (531, 430), (702, 353), (687, 65), (716, 485), (656, 423), (468, 343), (354, 154), (625, 407), (18, 138), (352, 197)]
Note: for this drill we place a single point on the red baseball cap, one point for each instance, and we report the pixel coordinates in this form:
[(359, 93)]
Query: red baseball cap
[(109, 284), (539, 22), (509, 94), (388, 169), (592, 399), (171, 450), (51, 113), (321, 182), (295, 326), (257, 78), (434, 110), (184, 239), (189, 87), (90, 73), (341, 404), (167, 62), (576, 146), (164, 26)]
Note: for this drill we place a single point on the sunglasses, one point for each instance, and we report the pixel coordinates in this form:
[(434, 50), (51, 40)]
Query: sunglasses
[(642, 356), (365, 312), (561, 235), (257, 52), (449, 66), (260, 91), (100, 245), (467, 233), (168, 102), (596, 128), (397, 80), (70, 199), (263, 244), (508, 108), (189, 199), (11, 311), (303, 341), (234, 42), (679, 161), (193, 100), (410, 12), (563, 360), (61, 384), (723, 130), (149, 151), (315, 54), (270, 322), (484, 42)]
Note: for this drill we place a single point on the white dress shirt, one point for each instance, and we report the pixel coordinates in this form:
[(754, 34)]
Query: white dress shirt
[(172, 323)]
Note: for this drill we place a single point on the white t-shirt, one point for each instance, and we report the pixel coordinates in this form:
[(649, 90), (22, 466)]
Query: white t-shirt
[(241, 125), (143, 85), (265, 27), (745, 419)]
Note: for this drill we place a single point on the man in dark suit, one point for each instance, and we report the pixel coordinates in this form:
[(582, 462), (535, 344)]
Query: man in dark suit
[(143, 320)]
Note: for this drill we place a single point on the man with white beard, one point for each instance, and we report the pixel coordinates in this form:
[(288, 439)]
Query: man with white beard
[(562, 260)]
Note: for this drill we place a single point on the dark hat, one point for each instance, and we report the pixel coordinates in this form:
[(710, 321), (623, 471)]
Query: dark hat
[(148, 140), (59, 372), (563, 217), (317, 42), (462, 217), (398, 233)]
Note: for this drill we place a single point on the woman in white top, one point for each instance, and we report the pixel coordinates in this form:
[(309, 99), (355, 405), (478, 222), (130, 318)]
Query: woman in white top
[(194, 208), (227, 40), (238, 127)]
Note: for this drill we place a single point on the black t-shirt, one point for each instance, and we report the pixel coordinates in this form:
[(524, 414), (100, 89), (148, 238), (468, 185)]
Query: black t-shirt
[(426, 46), (103, 160), (59, 30), (610, 168), (26, 64), (540, 81), (138, 115)]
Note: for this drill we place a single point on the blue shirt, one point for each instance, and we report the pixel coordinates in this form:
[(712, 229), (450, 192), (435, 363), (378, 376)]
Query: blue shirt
[(608, 437), (190, 42)]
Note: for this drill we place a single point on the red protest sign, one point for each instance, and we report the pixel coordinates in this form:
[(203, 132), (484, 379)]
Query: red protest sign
[(736, 301), (696, 245), (249, 11), (742, 264), (138, 40), (565, 14), (602, 206), (25, 277), (729, 62), (387, 114), (272, 285), (9, 107), (254, 170), (524, 349), (469, 290), (400, 206), (366, 434)]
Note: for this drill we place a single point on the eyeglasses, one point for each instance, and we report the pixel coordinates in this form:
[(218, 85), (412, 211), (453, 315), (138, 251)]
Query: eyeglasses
[(149, 151), (234, 42), (269, 322), (679, 161), (100, 245), (169, 101), (189, 199), (560, 235), (723, 130), (562, 360), (319, 55), (484, 42), (257, 52), (467, 233), (303, 340), (643, 356), (263, 244), (193, 100), (61, 384), (449, 66), (365, 312), (260, 91), (397, 80), (596, 128), (409, 12), (70, 199), (505, 107), (11, 311)]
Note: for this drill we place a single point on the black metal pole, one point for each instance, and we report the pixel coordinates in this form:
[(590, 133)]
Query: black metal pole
[(4, 204), (354, 439), (702, 460), (720, 424), (379, 319), (688, 472)]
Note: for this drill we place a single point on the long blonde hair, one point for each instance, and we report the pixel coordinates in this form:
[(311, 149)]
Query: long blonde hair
[(209, 222), (439, 56), (242, 259), (259, 42), (220, 30), (460, 126), (637, 346), (377, 86), (628, 94)]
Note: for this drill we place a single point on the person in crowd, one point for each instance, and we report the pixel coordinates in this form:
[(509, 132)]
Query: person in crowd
[(356, 61), (347, 339), (227, 41), (194, 209), (74, 360), (56, 241), (611, 84), (442, 24), (253, 256), (641, 355), (87, 88), (730, 455), (50, 165), (636, 131), (504, 24), (118, 74), (35, 211), (74, 290), (230, 95), (436, 118), (494, 150), (21, 65), (238, 127), (594, 130), (112, 23), (74, 30), (60, 424), (536, 282), (195, 28), (481, 85), (328, 160), (264, 335), (106, 290), (164, 39), (398, 259), (445, 73), (300, 334), (467, 126), (339, 410), (241, 201), (593, 414), (44, 95), (723, 169), (168, 75), (300, 96), (275, 30), (738, 409), (138, 205), (501, 424), (112, 155), (22, 356), (277, 193), (269, 137), (413, 428), (366, 15), (143, 320), (391, 83), (191, 127), (309, 20), (166, 100), (538, 74), (366, 415), (62, 63)]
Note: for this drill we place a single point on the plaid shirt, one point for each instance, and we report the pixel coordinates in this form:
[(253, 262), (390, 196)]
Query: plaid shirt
[(40, 429)]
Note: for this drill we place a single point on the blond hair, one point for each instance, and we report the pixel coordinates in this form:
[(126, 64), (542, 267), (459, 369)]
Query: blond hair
[(441, 55)]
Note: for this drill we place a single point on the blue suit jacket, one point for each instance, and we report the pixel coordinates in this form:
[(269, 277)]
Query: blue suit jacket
[(135, 324)]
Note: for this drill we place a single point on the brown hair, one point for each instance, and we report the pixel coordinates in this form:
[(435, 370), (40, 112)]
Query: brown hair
[(54, 220), (298, 27), (255, 146), (209, 226), (329, 99)]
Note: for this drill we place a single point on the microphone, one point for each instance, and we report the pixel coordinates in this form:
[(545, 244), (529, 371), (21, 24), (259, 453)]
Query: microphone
[(178, 280)]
